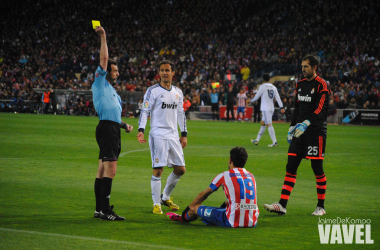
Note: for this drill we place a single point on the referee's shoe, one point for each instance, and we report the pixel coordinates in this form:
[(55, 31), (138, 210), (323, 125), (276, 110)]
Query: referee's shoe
[(110, 215)]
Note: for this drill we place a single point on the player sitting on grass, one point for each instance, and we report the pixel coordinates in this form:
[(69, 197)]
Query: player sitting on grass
[(240, 209)]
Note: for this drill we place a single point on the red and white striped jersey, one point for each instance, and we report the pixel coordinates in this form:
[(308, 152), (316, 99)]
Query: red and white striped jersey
[(240, 189), (241, 99)]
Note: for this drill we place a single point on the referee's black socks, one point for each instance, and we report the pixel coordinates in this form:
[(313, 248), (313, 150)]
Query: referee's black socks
[(106, 193)]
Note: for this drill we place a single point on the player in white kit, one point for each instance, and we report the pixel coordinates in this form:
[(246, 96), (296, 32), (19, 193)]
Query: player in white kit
[(164, 103), (267, 92)]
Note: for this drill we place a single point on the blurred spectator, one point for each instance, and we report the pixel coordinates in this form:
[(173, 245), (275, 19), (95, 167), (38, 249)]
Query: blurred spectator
[(245, 72), (352, 104), (332, 108), (186, 106), (46, 100), (204, 97), (366, 105), (242, 38), (195, 101), (139, 107), (53, 101)]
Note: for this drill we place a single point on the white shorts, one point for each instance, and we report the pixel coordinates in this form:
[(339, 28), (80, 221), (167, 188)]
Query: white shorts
[(267, 117), (166, 152)]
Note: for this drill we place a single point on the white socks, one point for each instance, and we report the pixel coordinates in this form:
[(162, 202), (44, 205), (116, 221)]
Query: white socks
[(271, 133), (155, 183), (170, 185), (261, 132)]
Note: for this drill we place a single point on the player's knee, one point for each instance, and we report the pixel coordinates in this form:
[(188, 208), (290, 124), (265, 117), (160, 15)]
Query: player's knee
[(270, 124), (99, 174), (291, 169), (179, 171), (262, 123), (157, 172)]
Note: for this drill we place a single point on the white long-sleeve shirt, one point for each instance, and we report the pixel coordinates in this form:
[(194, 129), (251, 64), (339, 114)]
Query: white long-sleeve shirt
[(166, 112), (267, 92)]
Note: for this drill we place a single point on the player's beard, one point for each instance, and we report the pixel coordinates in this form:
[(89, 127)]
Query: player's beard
[(307, 75)]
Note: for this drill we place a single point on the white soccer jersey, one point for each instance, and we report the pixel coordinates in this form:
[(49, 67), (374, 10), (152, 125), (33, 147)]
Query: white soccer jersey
[(166, 110), (241, 99), (267, 92), (240, 189)]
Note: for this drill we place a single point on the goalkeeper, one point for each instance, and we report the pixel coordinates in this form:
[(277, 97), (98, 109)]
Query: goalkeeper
[(307, 134)]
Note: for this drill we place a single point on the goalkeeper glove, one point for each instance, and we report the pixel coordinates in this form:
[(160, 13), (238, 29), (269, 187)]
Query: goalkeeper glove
[(301, 127), (290, 133)]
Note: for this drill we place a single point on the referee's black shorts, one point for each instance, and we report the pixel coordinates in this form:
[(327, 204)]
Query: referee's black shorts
[(310, 145), (214, 107), (109, 140)]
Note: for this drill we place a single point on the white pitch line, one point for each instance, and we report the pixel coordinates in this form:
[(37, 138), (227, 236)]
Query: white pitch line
[(128, 152), (93, 239)]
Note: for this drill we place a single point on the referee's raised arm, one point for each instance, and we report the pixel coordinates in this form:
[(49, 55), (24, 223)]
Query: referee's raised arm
[(103, 47)]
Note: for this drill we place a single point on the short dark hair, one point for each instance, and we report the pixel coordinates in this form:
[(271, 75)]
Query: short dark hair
[(266, 77), (313, 60), (110, 62), (167, 62), (239, 157)]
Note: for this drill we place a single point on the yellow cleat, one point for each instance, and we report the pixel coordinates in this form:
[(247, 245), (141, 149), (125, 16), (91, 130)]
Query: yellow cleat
[(157, 209), (170, 204)]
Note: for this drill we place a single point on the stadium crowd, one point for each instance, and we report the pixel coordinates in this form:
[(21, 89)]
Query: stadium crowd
[(57, 47)]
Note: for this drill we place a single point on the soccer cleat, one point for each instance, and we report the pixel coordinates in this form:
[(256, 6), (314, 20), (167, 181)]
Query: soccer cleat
[(275, 208), (275, 144), (319, 211), (174, 217), (96, 214), (170, 204), (157, 209), (255, 142), (110, 215)]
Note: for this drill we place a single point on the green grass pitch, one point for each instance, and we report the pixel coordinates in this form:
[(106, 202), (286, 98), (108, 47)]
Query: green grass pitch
[(48, 166)]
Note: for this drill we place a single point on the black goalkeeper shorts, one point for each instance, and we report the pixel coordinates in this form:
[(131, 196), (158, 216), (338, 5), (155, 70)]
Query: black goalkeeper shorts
[(309, 145), (109, 140)]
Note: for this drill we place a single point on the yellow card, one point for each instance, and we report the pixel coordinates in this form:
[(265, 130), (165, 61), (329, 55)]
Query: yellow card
[(95, 23)]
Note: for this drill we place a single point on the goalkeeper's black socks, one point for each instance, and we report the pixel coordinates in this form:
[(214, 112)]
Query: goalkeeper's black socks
[(289, 182), (321, 189), (106, 193), (97, 189)]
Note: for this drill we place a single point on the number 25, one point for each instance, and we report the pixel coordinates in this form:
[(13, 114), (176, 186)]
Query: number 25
[(312, 150)]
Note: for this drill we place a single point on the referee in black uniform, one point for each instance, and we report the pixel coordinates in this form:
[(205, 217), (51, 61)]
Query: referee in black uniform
[(307, 134), (108, 106)]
